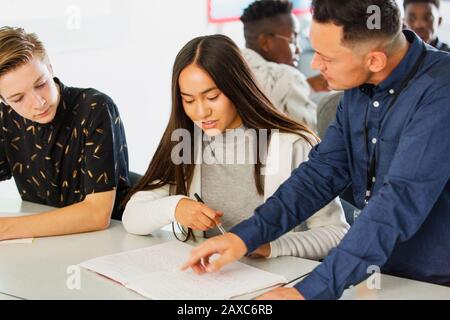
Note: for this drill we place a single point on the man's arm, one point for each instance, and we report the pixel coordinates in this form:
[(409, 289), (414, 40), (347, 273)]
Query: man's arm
[(92, 214), (312, 186), (417, 177)]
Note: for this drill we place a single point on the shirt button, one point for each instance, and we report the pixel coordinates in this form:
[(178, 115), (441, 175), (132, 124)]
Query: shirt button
[(374, 141), (392, 91), (376, 104)]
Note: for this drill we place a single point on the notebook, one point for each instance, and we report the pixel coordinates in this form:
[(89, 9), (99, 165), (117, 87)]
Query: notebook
[(154, 272)]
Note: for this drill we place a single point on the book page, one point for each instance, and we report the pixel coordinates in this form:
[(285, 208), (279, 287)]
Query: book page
[(226, 284), (126, 266), (154, 272)]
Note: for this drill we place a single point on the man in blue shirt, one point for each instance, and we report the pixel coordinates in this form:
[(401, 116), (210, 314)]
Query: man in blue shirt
[(389, 141)]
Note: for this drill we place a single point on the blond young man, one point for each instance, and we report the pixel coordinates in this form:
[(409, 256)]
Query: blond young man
[(65, 147)]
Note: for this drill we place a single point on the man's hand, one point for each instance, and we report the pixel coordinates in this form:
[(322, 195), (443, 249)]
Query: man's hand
[(229, 246), (282, 294)]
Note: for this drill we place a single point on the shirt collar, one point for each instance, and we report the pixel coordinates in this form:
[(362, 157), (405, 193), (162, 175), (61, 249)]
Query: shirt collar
[(395, 79), (253, 57)]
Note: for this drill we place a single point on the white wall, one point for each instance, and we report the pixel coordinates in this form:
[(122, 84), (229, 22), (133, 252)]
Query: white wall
[(136, 70)]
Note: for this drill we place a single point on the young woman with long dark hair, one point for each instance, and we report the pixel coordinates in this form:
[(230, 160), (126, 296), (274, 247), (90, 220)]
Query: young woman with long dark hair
[(214, 92)]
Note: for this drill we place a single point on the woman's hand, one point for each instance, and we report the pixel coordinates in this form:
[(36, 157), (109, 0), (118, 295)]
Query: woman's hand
[(196, 215)]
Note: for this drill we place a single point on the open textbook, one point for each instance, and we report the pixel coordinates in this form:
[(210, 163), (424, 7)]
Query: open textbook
[(154, 272)]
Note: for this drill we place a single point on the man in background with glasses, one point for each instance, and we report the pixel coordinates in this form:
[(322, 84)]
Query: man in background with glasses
[(273, 50)]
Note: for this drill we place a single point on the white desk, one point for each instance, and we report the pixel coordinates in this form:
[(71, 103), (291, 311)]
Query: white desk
[(395, 288), (15, 207), (4, 297), (39, 270)]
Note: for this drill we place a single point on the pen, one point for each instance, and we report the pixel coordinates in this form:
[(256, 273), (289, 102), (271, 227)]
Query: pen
[(219, 226)]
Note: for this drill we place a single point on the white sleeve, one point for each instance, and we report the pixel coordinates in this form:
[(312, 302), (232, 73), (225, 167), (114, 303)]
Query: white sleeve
[(324, 229), (296, 102), (148, 211)]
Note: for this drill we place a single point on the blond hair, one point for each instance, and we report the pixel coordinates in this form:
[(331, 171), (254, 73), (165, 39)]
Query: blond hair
[(18, 47)]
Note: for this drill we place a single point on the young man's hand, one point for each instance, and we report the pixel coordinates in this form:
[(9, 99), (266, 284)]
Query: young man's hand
[(229, 246)]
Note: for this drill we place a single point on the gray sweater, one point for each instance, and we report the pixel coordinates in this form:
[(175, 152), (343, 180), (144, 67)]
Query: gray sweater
[(228, 180)]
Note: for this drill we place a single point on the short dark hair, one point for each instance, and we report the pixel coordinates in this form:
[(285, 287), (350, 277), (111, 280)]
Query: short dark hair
[(436, 3), (263, 9), (262, 17), (353, 15)]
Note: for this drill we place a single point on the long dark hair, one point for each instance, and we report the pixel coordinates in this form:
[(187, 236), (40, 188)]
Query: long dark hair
[(219, 56)]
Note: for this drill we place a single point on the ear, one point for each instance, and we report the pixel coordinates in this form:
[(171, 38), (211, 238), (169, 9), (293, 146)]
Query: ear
[(376, 61), (265, 43)]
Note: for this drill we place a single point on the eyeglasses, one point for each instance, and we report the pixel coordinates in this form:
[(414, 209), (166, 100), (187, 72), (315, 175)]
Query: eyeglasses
[(294, 43)]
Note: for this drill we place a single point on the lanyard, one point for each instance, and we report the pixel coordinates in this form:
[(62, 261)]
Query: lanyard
[(371, 170)]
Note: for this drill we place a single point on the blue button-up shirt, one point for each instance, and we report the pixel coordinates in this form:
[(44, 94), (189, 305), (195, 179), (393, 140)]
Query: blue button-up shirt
[(405, 228)]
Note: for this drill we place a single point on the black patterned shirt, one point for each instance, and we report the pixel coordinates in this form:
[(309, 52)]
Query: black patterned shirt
[(81, 151)]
